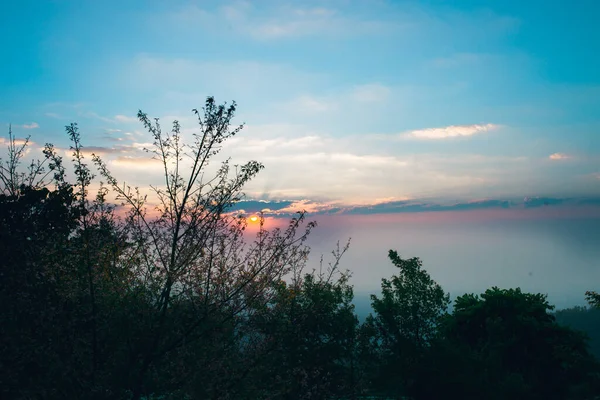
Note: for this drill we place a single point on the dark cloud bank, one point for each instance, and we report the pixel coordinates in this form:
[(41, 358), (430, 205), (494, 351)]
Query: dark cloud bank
[(288, 207)]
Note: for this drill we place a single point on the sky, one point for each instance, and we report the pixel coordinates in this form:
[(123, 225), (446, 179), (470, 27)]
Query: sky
[(352, 102), (363, 108)]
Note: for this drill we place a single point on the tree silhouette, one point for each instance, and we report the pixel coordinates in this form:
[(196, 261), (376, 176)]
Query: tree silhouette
[(193, 253), (406, 319)]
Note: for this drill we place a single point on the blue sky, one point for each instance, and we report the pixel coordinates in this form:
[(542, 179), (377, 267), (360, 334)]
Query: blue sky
[(346, 102)]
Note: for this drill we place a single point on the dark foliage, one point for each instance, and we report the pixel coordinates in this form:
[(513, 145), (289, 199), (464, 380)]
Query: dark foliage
[(583, 319), (514, 349)]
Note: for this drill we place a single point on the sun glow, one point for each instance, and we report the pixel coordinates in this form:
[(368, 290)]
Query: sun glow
[(253, 218)]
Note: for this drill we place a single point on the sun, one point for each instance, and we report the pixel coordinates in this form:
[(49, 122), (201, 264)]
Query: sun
[(253, 218)]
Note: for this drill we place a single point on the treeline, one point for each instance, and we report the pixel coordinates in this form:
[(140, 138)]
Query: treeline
[(162, 296)]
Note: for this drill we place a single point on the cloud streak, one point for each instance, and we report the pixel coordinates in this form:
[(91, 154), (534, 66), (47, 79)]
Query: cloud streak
[(136, 162), (125, 118), (559, 156), (371, 93), (302, 163), (33, 125), (17, 142), (451, 131), (279, 22)]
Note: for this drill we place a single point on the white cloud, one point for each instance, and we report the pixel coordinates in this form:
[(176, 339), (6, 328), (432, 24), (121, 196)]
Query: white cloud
[(462, 59), (17, 142), (558, 156), (339, 105), (285, 22), (132, 135), (449, 131), (279, 22), (325, 24), (306, 205), (319, 11), (276, 145), (370, 93), (248, 82), (304, 163), (312, 104), (305, 141), (350, 160), (33, 125), (352, 177), (136, 162), (125, 118), (115, 119)]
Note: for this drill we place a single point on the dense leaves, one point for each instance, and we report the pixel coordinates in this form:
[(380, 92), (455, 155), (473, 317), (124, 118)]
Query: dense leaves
[(593, 298), (519, 349), (586, 320)]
